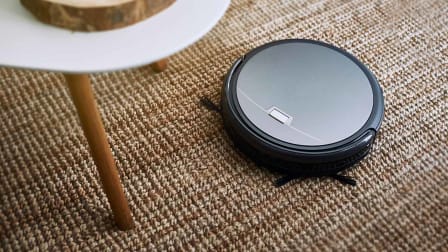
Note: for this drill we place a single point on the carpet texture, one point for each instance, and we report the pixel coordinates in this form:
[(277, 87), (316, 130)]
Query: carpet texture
[(189, 188)]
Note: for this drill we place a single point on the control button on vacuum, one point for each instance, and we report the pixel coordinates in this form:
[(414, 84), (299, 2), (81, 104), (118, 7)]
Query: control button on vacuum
[(278, 115)]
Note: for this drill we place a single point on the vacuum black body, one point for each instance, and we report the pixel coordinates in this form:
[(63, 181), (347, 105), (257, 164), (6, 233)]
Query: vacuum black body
[(302, 107)]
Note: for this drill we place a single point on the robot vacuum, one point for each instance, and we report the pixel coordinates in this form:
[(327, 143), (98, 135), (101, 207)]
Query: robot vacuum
[(302, 107)]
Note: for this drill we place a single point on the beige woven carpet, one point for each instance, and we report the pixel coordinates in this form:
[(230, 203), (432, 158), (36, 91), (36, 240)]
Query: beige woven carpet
[(190, 189)]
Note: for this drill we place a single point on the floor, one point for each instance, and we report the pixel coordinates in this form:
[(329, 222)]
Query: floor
[(190, 189)]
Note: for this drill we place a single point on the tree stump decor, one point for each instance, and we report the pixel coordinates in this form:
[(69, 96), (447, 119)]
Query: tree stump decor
[(94, 15)]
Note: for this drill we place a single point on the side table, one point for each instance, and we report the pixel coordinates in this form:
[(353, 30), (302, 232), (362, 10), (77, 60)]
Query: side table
[(27, 43)]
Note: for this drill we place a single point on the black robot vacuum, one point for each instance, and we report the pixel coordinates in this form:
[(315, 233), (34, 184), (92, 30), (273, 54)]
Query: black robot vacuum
[(302, 107)]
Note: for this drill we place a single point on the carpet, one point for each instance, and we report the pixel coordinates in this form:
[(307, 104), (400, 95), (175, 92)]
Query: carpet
[(190, 189)]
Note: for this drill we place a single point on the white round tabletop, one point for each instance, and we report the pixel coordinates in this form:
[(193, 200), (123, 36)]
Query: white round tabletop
[(27, 43)]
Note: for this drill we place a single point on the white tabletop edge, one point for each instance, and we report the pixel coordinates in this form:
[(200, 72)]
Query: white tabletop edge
[(184, 38)]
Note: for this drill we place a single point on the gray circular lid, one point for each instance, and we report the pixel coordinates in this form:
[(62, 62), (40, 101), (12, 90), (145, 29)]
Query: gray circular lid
[(304, 93)]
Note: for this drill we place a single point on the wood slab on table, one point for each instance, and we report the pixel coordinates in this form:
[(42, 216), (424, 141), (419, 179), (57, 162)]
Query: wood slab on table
[(94, 15)]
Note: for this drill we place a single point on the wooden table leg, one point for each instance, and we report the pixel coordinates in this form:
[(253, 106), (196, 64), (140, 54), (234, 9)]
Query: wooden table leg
[(160, 65), (84, 100)]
